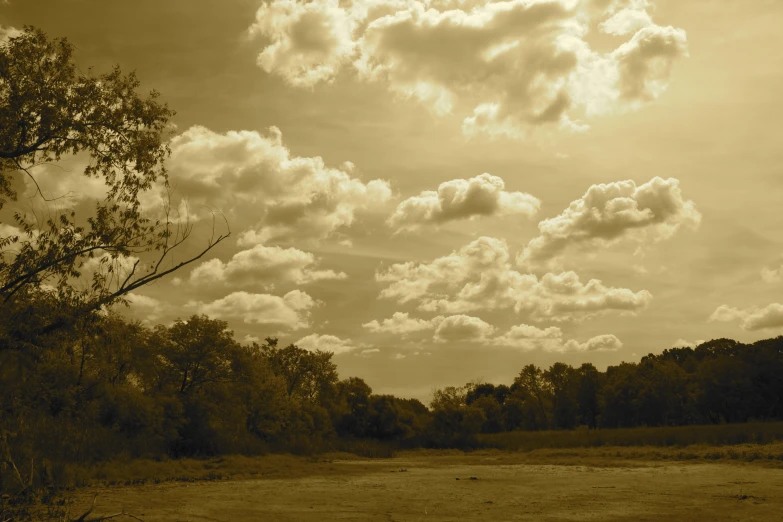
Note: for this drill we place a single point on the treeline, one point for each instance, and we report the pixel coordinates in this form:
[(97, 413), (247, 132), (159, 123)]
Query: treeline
[(720, 381), (110, 388)]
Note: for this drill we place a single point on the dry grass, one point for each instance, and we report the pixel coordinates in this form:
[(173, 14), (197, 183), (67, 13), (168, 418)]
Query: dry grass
[(677, 436)]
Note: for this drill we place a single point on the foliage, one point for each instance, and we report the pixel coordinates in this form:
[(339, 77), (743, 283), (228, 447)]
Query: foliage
[(48, 110)]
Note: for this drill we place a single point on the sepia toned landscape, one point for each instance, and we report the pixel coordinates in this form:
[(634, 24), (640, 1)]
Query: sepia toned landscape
[(478, 486), (390, 260)]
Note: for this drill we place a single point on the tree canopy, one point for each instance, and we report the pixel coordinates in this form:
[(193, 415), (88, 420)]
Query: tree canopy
[(49, 109)]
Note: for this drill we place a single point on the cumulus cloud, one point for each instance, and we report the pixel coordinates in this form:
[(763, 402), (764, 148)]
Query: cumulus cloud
[(684, 343), (483, 195), (291, 311), (462, 328), (399, 324), (271, 195), (479, 276), (6, 32), (610, 212), (626, 21), (327, 343), (527, 338), (147, 309), (308, 41), (751, 319), (263, 266), (509, 66)]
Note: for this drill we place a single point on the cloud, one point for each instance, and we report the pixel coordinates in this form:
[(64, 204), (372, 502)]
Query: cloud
[(626, 21), (479, 277), (10, 231), (683, 343), (327, 343), (611, 212), (769, 275), (462, 328), (263, 266), (147, 309), (369, 353), (751, 319), (508, 66), (265, 191), (7, 32), (308, 41), (399, 324), (114, 269), (527, 338), (291, 311), (457, 199)]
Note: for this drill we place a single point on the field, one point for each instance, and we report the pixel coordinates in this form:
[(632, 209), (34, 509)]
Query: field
[(610, 483)]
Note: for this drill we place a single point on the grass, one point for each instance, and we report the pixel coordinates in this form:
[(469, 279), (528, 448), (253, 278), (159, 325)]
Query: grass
[(735, 442), (677, 436)]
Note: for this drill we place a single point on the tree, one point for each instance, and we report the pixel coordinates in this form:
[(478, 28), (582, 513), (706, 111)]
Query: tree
[(200, 351), (311, 376), (530, 382), (562, 382), (49, 110), (588, 408)]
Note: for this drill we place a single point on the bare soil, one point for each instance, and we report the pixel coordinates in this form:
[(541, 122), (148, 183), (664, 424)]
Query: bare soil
[(479, 486)]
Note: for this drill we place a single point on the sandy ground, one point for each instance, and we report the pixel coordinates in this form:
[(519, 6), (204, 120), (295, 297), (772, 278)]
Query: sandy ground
[(426, 488)]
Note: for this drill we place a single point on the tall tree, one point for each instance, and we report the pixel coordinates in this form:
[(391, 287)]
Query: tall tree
[(49, 110)]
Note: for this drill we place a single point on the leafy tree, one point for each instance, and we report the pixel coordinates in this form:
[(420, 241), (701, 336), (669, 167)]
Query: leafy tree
[(530, 382), (49, 110), (311, 376), (199, 351), (562, 382)]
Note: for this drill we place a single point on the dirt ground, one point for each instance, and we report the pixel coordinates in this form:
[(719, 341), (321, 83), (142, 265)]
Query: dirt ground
[(467, 487)]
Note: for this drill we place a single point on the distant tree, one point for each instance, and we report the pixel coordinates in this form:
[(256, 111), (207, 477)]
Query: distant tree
[(588, 393), (199, 351), (311, 376), (352, 407), (530, 382)]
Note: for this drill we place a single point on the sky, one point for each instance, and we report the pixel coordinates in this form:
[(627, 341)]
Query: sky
[(443, 191)]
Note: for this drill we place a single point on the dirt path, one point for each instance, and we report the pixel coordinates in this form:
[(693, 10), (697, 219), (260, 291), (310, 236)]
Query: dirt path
[(428, 490)]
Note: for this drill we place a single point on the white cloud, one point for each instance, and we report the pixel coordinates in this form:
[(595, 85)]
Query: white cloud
[(263, 266), (684, 343), (290, 311), (327, 343), (610, 212), (479, 277), (148, 309), (462, 328), (308, 41), (369, 353), (483, 195), (114, 269), (527, 338), (267, 193), (753, 318), (399, 324), (511, 65), (626, 21), (7, 32)]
